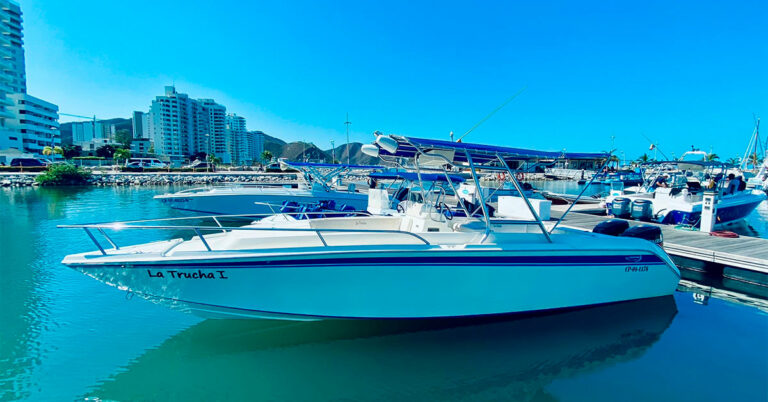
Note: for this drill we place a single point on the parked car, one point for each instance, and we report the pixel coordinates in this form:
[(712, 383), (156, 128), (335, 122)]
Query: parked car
[(145, 163), (29, 162), (200, 165)]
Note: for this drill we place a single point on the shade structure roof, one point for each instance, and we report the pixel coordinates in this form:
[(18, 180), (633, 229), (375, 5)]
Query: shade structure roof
[(332, 165), (480, 153), (411, 176)]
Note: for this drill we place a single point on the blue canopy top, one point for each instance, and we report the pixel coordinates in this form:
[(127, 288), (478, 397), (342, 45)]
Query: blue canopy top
[(480, 153), (331, 165), (410, 176)]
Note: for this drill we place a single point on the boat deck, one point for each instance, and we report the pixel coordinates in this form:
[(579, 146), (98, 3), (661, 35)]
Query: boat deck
[(747, 253)]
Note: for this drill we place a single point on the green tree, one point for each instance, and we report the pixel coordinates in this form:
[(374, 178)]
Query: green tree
[(58, 150), (643, 158), (732, 161), (712, 157), (754, 160), (266, 156), (71, 151), (124, 137), (47, 151), (105, 151), (121, 154)]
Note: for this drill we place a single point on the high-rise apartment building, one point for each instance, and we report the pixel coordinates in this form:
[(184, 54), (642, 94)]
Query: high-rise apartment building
[(220, 143), (27, 123), (238, 139), (179, 127), (13, 69), (173, 124), (140, 125)]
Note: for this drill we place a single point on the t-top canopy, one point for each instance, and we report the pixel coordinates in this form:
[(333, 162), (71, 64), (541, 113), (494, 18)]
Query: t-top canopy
[(456, 151), (410, 176)]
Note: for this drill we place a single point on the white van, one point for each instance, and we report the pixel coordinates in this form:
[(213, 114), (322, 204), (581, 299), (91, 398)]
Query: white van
[(145, 163)]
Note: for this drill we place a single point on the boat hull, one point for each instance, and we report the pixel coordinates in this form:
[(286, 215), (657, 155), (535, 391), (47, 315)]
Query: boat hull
[(367, 286)]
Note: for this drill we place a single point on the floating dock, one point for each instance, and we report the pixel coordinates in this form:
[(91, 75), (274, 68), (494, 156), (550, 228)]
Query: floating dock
[(743, 259)]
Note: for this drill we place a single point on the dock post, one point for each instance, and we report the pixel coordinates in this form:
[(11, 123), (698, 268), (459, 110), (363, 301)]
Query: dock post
[(708, 211)]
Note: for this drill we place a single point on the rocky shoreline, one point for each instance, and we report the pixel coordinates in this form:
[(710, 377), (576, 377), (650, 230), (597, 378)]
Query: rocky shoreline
[(158, 179)]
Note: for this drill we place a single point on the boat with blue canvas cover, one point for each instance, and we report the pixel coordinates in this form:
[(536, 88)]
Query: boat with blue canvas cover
[(424, 262), (320, 185)]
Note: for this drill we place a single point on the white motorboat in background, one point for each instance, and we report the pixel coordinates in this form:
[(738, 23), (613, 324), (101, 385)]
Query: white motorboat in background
[(425, 262), (320, 185), (679, 200)]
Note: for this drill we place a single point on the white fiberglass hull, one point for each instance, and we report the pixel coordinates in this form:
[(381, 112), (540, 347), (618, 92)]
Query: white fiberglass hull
[(408, 284), (256, 200)]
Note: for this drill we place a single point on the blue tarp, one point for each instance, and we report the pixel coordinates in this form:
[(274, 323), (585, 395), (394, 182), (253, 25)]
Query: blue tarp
[(410, 176), (481, 153)]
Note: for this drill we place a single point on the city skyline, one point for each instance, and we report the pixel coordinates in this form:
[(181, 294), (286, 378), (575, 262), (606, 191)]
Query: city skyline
[(689, 74)]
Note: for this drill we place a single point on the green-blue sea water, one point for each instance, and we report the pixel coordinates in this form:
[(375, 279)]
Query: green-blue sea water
[(64, 336)]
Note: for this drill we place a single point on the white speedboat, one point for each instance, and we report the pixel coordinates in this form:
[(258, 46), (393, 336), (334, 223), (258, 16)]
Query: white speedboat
[(424, 263), (319, 185), (679, 199)]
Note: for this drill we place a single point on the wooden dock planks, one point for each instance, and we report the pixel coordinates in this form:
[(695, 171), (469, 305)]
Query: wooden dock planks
[(748, 253)]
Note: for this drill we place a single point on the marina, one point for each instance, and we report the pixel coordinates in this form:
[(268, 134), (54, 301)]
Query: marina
[(49, 324), (383, 201)]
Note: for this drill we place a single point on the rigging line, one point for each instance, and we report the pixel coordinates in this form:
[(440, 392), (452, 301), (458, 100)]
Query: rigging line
[(656, 146), (492, 113)]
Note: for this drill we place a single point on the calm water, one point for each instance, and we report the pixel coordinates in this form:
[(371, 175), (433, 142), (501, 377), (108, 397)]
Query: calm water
[(64, 336)]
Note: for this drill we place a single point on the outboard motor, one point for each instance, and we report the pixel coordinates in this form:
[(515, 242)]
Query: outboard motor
[(611, 227), (647, 232), (642, 210), (621, 207)]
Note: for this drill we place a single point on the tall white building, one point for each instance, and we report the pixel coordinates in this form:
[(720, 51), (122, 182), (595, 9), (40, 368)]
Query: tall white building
[(220, 143), (13, 68), (174, 125), (238, 140), (27, 123)]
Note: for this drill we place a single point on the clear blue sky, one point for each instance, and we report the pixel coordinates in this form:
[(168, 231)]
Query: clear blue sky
[(683, 73)]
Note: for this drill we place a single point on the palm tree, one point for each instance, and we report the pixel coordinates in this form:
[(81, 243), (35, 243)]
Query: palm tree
[(57, 150), (643, 158), (754, 160), (47, 151), (212, 158), (266, 156), (712, 157), (732, 161), (614, 159)]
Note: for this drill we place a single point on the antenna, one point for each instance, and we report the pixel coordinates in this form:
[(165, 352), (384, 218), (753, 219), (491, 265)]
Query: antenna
[(347, 123), (492, 113)]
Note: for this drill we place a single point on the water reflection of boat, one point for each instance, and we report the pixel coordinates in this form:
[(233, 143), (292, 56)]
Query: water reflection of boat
[(422, 359)]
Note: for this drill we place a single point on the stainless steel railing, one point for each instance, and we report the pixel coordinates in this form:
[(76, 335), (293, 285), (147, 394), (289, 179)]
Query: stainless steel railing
[(199, 229)]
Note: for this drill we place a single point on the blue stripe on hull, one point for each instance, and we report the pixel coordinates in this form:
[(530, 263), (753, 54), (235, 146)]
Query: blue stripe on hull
[(426, 261)]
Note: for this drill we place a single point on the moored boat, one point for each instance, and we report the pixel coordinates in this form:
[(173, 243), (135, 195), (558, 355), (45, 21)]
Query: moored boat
[(425, 262)]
